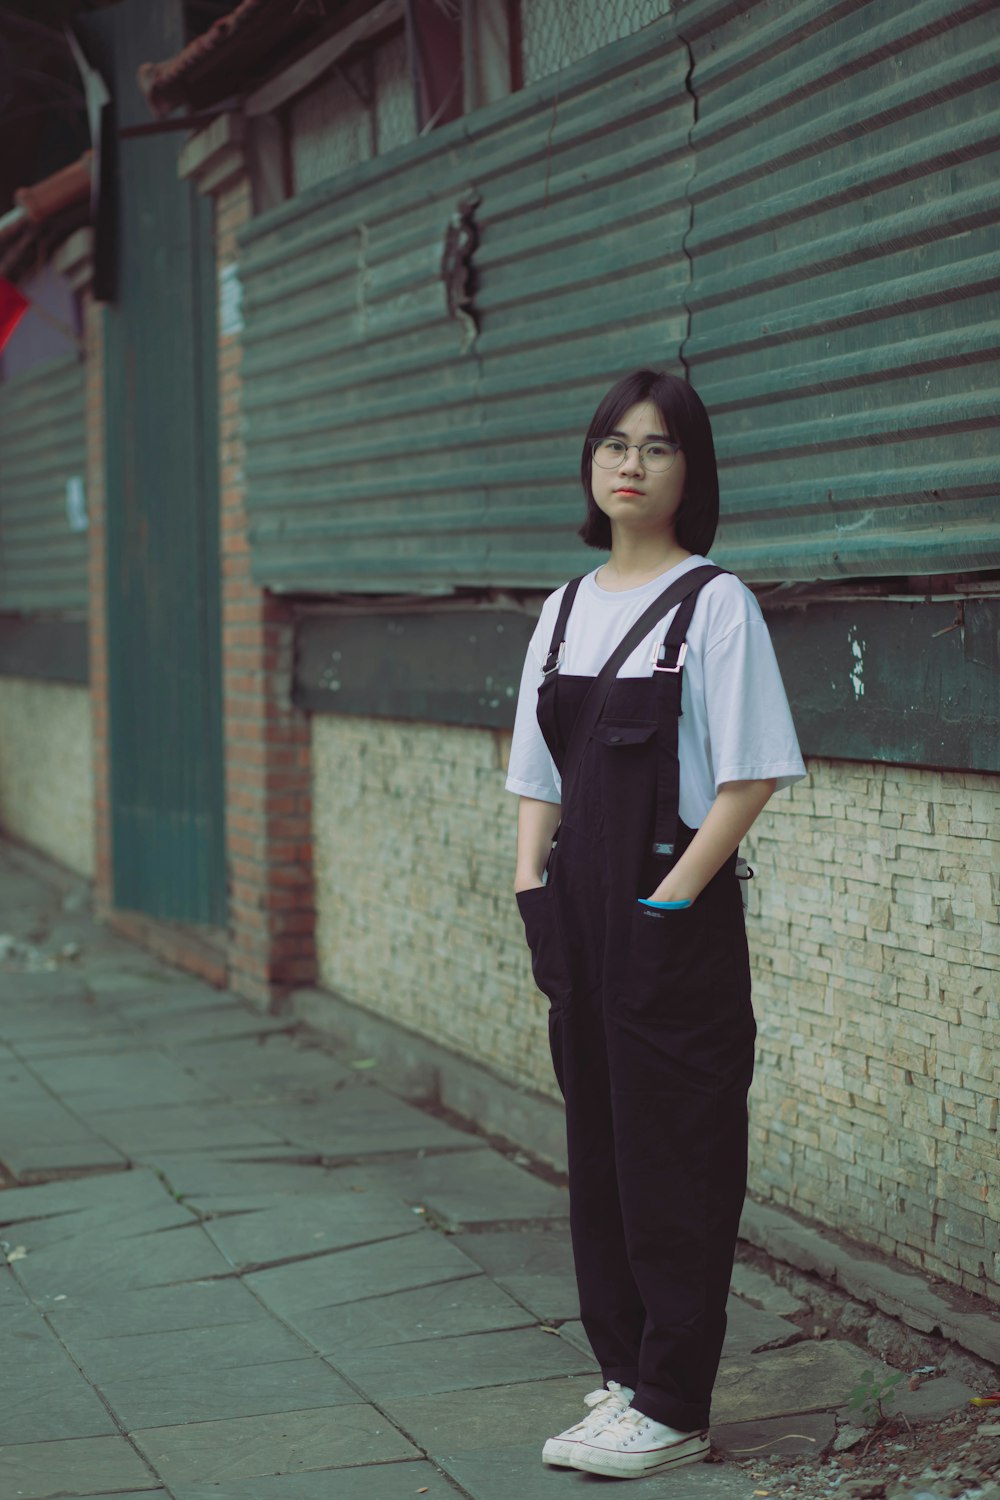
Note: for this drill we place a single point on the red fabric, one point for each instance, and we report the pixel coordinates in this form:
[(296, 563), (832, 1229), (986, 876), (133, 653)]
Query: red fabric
[(13, 307)]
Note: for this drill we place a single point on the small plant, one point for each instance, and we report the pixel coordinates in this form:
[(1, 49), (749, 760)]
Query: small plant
[(870, 1393)]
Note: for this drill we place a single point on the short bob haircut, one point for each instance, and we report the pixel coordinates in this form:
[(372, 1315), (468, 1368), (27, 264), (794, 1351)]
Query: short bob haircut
[(687, 423)]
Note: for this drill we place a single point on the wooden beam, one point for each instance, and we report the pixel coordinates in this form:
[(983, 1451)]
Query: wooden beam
[(300, 74)]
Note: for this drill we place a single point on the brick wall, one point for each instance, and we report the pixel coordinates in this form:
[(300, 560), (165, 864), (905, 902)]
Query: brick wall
[(46, 772), (874, 933), (268, 815)]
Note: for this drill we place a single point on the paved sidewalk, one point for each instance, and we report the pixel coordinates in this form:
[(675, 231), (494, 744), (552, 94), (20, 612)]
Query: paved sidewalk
[(255, 1274)]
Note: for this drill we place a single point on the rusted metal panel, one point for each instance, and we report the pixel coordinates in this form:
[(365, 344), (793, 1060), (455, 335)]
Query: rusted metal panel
[(913, 683), (385, 452), (43, 559), (844, 328)]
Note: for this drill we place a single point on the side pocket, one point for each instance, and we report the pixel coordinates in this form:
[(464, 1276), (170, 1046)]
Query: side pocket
[(680, 969), (541, 928)]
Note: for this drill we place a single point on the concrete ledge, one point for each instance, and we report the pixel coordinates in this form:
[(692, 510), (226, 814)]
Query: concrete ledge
[(871, 1277), (422, 1070)]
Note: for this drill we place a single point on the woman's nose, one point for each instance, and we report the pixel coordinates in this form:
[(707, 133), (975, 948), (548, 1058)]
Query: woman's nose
[(631, 461)]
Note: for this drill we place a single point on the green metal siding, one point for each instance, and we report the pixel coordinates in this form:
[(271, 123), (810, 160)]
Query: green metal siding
[(792, 200), (43, 564), (845, 260), (379, 454)]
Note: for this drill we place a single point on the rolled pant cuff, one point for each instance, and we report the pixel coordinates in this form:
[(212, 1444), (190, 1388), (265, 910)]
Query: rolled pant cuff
[(684, 1416)]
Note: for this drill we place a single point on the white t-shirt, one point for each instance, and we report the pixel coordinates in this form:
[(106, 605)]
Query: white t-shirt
[(736, 724)]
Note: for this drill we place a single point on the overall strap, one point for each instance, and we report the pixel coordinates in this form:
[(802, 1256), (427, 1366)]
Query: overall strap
[(668, 671), (593, 703), (558, 642)]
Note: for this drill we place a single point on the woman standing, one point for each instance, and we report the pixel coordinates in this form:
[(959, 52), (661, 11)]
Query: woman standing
[(634, 916)]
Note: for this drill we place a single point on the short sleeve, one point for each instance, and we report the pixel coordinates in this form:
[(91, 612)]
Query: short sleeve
[(531, 771), (751, 733)]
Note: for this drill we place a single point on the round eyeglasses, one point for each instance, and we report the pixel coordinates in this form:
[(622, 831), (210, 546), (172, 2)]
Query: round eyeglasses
[(655, 457)]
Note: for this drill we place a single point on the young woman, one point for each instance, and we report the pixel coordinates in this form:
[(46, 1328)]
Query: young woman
[(626, 882)]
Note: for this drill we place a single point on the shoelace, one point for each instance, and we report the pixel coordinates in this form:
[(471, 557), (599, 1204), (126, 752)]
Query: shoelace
[(628, 1424), (608, 1403)]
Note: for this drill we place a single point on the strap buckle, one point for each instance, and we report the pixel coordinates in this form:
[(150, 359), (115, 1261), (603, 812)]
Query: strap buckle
[(558, 661), (680, 658)]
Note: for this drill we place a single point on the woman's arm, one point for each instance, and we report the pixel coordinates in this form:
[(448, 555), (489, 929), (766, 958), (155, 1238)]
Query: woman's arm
[(735, 809), (536, 823)]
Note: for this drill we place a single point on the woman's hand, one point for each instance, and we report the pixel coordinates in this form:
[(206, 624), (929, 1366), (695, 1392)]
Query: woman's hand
[(737, 805)]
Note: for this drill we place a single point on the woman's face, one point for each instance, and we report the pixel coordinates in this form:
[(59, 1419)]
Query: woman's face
[(629, 494)]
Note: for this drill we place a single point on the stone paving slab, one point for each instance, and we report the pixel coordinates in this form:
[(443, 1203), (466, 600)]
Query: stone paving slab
[(483, 1188), (113, 1195), (354, 1122), (200, 1395), (472, 1305), (807, 1377), (517, 1471), (184, 1127), (216, 1022), (85, 1152), (178, 1351), (269, 1066), (150, 1078), (469, 1420), (210, 1184), (287, 1443), (757, 1288), (934, 1399), (159, 1309), (387, 1481), (159, 1259), (528, 1252), (458, 1363), (750, 1330), (534, 1265), (42, 1393), (804, 1434), (305, 1226), (347, 1275), (77, 1466)]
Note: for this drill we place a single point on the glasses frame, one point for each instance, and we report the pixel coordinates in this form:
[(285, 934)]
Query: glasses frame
[(658, 443)]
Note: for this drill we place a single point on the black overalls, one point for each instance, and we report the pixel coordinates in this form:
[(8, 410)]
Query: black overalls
[(652, 1034)]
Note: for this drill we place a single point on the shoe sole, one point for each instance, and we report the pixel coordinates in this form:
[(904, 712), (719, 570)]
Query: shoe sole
[(600, 1463)]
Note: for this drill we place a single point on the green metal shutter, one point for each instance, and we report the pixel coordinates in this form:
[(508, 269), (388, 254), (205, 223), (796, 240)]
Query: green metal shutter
[(43, 563)]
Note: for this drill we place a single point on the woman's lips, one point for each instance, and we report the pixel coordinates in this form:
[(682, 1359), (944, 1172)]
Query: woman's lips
[(628, 492)]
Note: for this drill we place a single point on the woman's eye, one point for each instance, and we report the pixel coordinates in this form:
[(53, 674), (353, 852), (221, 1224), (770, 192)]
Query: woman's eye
[(657, 450), (613, 447)]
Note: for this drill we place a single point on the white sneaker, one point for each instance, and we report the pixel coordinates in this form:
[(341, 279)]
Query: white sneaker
[(608, 1403), (632, 1445)]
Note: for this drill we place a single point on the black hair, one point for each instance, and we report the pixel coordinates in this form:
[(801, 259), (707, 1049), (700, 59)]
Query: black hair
[(688, 424)]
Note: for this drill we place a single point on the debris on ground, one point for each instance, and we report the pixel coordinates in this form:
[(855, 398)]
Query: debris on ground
[(957, 1458)]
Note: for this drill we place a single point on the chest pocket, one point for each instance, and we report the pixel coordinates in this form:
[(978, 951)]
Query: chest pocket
[(618, 780), (623, 736)]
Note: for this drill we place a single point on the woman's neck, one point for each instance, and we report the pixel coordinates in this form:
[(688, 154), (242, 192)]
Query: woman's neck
[(636, 562)]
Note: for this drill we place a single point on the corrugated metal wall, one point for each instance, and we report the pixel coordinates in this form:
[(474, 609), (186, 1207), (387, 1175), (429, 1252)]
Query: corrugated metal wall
[(845, 272), (43, 563), (382, 457), (803, 221)]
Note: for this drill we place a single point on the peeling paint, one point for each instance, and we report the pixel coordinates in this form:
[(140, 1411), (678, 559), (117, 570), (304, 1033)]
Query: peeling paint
[(857, 651)]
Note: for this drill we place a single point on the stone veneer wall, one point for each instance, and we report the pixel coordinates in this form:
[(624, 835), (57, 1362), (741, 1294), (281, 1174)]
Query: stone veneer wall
[(46, 770), (874, 934)]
